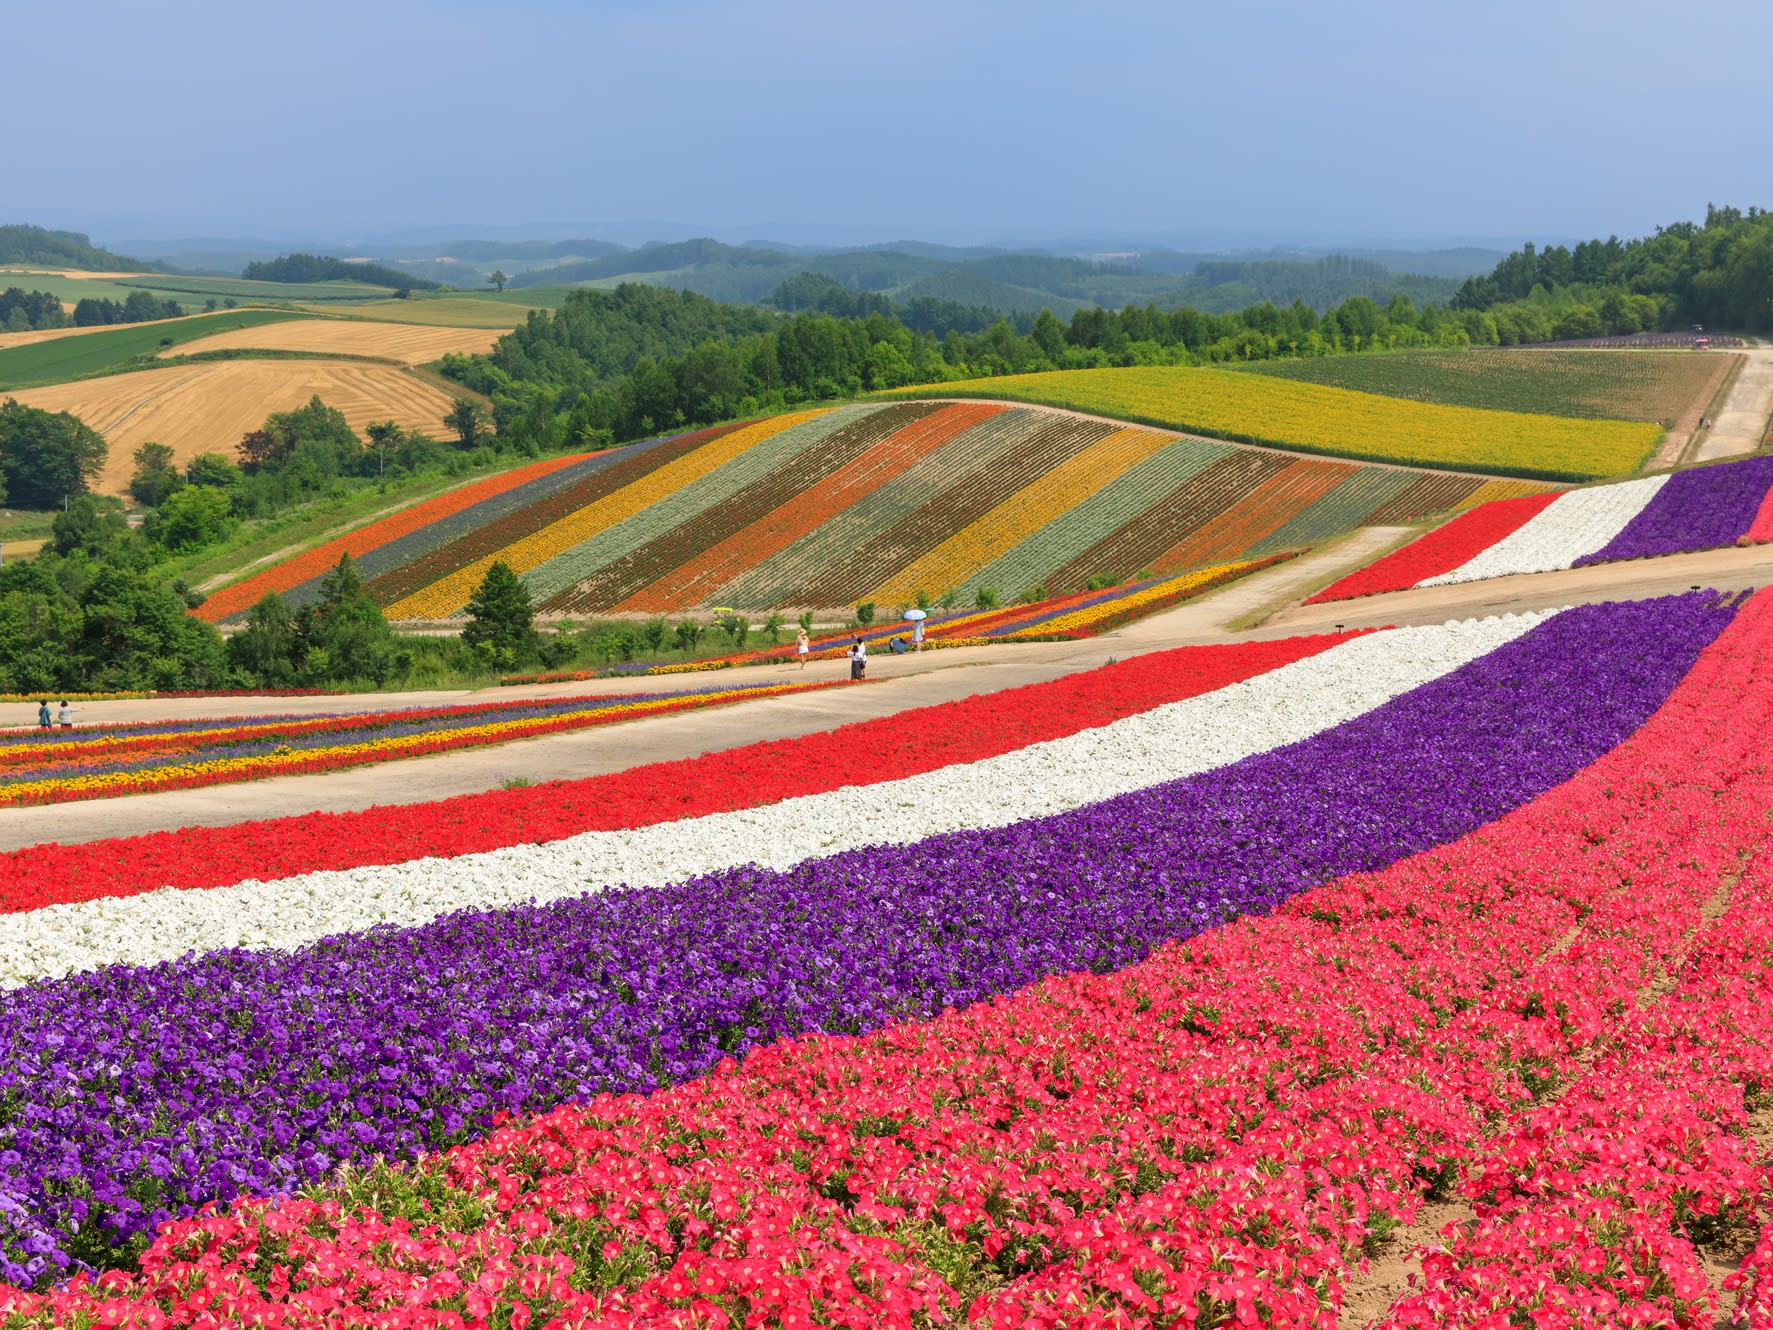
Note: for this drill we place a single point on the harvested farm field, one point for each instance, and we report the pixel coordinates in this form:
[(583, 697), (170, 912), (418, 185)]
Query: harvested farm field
[(207, 408), (408, 343)]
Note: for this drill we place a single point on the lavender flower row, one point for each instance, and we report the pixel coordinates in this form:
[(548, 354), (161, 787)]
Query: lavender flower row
[(134, 1094), (1701, 509)]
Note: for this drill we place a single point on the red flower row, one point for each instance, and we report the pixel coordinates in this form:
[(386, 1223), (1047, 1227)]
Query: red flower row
[(744, 777), (1214, 1136), (292, 572), (1441, 550)]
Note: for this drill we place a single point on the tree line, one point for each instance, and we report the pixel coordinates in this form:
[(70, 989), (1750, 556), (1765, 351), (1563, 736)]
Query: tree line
[(22, 310), (1719, 273), (302, 268), (137, 307)]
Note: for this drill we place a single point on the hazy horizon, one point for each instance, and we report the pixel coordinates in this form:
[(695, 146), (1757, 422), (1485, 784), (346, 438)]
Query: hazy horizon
[(1376, 125)]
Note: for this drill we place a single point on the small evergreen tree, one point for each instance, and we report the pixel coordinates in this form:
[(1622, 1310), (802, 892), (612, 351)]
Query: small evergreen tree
[(501, 620)]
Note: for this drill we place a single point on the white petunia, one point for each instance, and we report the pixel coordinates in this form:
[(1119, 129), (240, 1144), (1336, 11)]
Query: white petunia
[(1570, 526)]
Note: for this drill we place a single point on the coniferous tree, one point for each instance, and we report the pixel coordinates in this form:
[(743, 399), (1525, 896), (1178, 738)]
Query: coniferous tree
[(501, 621)]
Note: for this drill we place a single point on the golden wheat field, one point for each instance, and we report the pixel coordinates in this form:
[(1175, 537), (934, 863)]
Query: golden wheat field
[(206, 408), (409, 343)]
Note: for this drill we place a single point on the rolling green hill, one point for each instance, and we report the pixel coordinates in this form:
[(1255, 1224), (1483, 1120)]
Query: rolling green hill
[(35, 246)]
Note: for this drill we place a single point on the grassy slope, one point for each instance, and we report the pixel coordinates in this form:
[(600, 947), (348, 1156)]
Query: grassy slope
[(315, 523), (454, 311), (1306, 417), (1653, 386), (110, 350)]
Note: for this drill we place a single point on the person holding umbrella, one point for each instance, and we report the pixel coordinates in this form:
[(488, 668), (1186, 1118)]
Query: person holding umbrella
[(917, 617)]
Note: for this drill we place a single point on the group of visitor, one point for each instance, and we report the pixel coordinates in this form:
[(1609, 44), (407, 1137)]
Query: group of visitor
[(64, 715), (858, 651)]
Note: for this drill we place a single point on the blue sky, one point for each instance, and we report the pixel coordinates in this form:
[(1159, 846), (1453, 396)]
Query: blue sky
[(1213, 124)]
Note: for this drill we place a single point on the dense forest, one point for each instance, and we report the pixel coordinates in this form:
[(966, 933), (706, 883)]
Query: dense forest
[(22, 310), (35, 246), (1719, 274), (45, 456), (297, 268), (138, 307)]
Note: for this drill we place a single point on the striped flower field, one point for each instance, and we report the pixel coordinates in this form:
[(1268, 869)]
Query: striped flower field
[(878, 502), (95, 762), (1699, 509), (1158, 995)]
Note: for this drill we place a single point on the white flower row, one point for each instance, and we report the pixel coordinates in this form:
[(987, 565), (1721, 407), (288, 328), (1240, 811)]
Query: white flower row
[(1570, 526), (1281, 707)]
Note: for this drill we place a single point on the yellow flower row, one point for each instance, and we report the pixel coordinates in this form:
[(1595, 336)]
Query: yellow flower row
[(1170, 587), (1257, 408), (1497, 489), (1022, 514), (449, 593)]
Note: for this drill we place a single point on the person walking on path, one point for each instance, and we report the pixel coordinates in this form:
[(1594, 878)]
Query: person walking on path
[(802, 647), (858, 660), (43, 714), (65, 714)]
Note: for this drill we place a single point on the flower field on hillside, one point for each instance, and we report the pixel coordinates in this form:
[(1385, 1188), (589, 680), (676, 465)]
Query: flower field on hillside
[(1156, 995), (1256, 408), (874, 502), (1080, 615), (1698, 509), (102, 761)]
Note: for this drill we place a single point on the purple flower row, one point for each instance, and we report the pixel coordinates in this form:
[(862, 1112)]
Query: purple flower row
[(130, 1095), (1702, 509)]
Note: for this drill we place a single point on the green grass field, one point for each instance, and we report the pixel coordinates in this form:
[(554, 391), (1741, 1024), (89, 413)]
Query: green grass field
[(1657, 386), (444, 311), (111, 350), (191, 292), (186, 289), (69, 290)]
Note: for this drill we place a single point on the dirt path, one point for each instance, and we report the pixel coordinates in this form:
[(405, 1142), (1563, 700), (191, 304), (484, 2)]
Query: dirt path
[(1741, 424), (898, 683)]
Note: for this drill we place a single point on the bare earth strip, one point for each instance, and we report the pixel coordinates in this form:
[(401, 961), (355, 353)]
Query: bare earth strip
[(898, 683), (409, 343), (206, 408)]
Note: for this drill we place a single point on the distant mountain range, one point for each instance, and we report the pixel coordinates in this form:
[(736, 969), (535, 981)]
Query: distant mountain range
[(1013, 281)]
